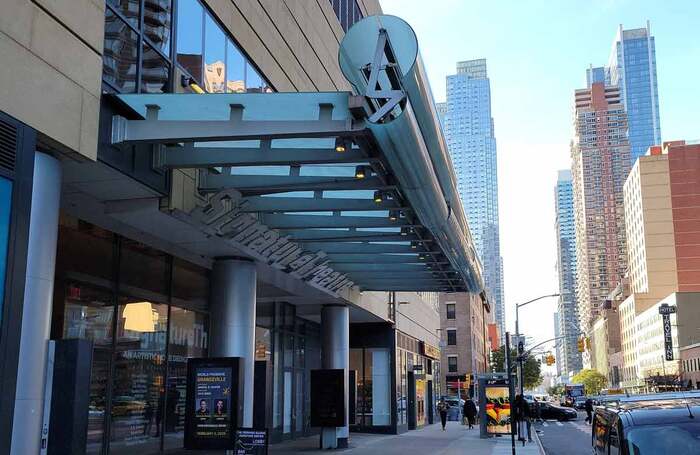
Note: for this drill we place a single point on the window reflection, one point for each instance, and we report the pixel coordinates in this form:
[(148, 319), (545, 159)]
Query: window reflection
[(156, 22), (189, 338), (235, 69), (214, 56), (129, 9), (155, 72), (139, 374), (88, 315), (189, 37), (120, 56)]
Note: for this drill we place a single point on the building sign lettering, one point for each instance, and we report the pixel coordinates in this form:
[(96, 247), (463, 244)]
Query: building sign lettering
[(223, 215), (665, 311)]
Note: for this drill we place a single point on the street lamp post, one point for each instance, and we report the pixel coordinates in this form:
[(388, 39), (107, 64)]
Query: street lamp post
[(517, 334)]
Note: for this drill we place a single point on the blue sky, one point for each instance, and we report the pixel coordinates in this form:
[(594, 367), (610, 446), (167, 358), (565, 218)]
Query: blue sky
[(537, 53)]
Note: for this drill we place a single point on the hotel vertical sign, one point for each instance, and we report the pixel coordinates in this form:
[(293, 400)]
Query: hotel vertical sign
[(665, 311)]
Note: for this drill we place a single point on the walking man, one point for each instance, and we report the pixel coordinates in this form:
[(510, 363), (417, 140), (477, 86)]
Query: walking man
[(442, 408), (589, 410), (470, 412)]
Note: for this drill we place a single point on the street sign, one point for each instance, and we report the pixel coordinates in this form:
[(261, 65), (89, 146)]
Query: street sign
[(667, 309), (668, 339)]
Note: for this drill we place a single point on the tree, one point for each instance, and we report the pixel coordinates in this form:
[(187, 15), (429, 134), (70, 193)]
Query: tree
[(556, 390), (531, 367), (593, 382)]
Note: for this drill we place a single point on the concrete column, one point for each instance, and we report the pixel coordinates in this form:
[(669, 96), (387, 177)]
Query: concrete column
[(232, 321), (335, 354), (38, 302)]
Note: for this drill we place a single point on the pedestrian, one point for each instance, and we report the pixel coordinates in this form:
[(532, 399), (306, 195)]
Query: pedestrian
[(470, 412), (522, 418), (589, 410), (537, 410), (442, 408)]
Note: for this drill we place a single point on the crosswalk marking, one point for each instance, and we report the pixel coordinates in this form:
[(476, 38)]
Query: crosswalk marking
[(545, 424), (560, 424)]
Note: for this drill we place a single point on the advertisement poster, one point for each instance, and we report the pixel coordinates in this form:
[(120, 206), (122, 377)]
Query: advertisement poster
[(211, 403), (497, 409)]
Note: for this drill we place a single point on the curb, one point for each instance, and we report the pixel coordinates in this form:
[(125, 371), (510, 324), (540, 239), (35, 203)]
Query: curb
[(539, 444)]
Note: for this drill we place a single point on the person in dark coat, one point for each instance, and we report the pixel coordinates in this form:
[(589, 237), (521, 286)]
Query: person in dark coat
[(470, 412), (521, 418), (589, 410), (442, 408)]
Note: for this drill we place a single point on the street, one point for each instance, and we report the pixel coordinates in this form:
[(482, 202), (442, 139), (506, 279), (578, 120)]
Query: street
[(566, 438)]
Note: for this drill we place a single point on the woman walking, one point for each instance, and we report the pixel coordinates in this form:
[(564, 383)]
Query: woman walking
[(442, 408)]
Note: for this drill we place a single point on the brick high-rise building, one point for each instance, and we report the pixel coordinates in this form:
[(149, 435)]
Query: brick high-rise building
[(600, 156)]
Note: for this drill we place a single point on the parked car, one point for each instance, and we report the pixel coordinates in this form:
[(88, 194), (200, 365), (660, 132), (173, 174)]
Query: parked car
[(647, 427), (552, 411)]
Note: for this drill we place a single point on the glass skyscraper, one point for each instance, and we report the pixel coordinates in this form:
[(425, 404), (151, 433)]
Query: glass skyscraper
[(468, 128), (632, 67), (567, 321)]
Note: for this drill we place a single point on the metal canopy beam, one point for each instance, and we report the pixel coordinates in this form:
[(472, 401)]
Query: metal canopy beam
[(408, 287), (328, 235), (350, 267), (377, 258), (300, 204), (276, 221), (270, 184), (204, 157), (363, 248)]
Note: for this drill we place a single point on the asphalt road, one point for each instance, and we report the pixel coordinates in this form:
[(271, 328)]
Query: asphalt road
[(566, 438)]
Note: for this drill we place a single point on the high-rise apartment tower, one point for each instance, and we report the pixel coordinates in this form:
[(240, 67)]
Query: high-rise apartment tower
[(567, 311), (632, 67), (468, 128), (600, 156)]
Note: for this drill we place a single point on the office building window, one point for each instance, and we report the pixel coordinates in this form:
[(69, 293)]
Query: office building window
[(452, 364), (136, 55), (451, 337), (208, 55), (347, 11), (450, 309)]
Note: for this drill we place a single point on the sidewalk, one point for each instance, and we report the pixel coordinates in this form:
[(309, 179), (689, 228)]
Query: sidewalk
[(429, 440)]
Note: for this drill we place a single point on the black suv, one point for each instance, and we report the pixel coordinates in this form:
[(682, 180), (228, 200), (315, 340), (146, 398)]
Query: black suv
[(647, 427)]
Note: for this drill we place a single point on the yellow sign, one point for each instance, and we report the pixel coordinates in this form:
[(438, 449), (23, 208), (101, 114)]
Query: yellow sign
[(430, 351)]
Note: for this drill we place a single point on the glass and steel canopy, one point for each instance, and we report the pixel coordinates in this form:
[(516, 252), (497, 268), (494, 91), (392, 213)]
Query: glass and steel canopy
[(360, 183)]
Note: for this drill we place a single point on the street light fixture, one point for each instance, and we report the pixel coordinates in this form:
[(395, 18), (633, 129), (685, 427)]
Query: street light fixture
[(517, 334)]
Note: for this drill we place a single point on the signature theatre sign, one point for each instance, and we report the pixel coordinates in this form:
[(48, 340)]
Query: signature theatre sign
[(222, 215)]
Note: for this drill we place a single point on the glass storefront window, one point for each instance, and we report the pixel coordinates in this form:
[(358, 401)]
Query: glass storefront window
[(189, 338), (88, 315), (130, 9), (373, 377), (139, 376), (190, 286), (143, 271)]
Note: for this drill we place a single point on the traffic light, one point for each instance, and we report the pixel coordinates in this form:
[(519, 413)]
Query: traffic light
[(581, 345), (549, 359), (588, 343)]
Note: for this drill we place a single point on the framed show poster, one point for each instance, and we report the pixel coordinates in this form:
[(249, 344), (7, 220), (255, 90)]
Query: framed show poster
[(328, 398), (212, 403)]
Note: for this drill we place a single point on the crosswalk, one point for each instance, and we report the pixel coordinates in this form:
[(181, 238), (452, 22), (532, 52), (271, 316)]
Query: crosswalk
[(579, 425)]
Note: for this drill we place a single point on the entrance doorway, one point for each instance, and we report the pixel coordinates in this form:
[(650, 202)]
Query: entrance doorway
[(411, 400)]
